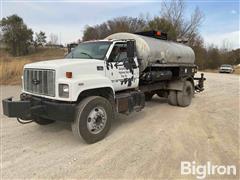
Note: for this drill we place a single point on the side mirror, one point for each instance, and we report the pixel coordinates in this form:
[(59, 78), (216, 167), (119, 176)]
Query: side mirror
[(130, 49)]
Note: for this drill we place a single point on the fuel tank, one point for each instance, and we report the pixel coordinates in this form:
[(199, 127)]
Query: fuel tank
[(151, 50)]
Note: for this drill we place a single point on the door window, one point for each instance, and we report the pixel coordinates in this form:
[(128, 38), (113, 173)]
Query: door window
[(119, 53)]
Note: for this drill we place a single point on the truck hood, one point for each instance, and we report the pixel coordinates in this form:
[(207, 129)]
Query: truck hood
[(58, 63), (79, 67)]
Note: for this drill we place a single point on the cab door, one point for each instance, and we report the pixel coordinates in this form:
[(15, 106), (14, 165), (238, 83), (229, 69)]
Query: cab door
[(122, 73)]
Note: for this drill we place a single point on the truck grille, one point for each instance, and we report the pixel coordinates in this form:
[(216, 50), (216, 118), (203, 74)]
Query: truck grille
[(39, 81)]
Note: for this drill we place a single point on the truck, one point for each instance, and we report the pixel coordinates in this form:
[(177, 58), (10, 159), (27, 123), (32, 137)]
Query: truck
[(101, 78)]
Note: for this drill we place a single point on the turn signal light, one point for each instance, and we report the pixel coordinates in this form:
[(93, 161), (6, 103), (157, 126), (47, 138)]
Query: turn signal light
[(158, 33), (68, 74)]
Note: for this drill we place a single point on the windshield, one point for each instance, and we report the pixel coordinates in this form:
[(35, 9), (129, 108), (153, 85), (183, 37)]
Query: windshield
[(89, 50), (226, 65)]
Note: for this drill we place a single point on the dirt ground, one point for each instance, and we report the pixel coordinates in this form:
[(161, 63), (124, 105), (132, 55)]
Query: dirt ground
[(148, 144)]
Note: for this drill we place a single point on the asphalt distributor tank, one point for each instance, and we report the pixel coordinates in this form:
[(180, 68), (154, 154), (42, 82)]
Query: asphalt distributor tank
[(151, 50)]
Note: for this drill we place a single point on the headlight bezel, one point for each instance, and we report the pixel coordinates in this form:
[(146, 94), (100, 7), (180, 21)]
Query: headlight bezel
[(63, 90)]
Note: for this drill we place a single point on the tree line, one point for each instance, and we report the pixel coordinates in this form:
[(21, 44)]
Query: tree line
[(19, 38), (172, 21)]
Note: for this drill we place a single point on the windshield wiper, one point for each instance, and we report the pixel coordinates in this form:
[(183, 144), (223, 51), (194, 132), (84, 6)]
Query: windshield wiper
[(86, 54)]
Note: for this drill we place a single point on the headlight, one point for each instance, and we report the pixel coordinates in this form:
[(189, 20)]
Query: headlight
[(63, 90)]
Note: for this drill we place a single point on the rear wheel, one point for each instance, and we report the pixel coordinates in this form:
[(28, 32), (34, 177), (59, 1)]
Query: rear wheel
[(172, 98), (184, 97), (93, 119)]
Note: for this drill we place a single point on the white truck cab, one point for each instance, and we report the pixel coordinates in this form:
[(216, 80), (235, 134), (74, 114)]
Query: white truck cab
[(87, 71), (100, 78)]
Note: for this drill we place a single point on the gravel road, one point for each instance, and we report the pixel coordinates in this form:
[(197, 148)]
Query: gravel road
[(147, 144)]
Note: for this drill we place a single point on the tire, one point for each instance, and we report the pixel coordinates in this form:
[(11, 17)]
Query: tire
[(148, 96), (42, 121), (172, 98), (89, 111), (184, 97)]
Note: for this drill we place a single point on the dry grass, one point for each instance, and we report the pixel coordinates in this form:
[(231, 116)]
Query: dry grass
[(237, 70), (210, 70), (11, 71), (11, 67)]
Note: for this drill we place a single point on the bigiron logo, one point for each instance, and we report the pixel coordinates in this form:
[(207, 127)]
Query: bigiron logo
[(208, 169)]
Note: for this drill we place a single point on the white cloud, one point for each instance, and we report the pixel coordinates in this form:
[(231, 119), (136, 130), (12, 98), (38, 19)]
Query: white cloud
[(228, 40), (233, 11)]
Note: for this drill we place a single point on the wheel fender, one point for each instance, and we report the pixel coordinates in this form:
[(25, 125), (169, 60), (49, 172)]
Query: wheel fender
[(179, 84), (91, 83), (176, 85)]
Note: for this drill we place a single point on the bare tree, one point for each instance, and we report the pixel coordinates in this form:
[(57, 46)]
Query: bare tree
[(174, 12), (226, 45), (190, 28), (120, 24), (53, 39)]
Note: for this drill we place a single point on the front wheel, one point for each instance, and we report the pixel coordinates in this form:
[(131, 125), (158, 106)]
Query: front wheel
[(93, 119)]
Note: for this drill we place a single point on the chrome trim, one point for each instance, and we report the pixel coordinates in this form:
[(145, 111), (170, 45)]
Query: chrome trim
[(39, 81)]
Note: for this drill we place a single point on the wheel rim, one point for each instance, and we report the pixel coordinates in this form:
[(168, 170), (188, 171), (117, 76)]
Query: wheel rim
[(96, 120)]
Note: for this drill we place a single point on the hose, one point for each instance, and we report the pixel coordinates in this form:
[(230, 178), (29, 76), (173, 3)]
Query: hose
[(24, 121)]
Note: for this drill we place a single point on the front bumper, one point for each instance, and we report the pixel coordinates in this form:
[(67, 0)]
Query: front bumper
[(225, 70), (30, 107)]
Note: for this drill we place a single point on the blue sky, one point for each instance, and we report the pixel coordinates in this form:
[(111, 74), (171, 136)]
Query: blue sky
[(67, 19)]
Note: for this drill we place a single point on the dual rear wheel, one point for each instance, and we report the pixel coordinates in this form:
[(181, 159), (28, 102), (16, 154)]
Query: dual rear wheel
[(176, 98), (181, 98)]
